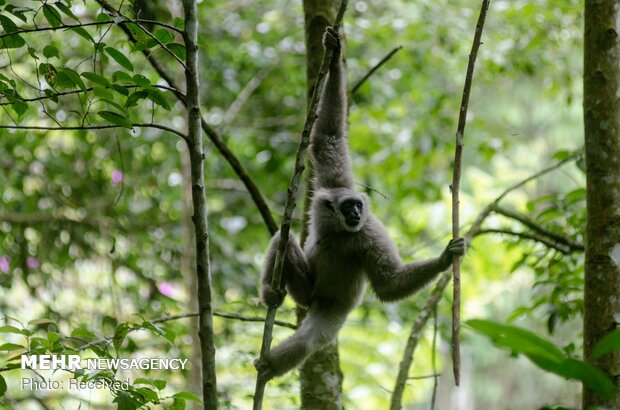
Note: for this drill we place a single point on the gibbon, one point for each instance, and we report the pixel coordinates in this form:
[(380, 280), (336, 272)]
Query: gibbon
[(347, 245)]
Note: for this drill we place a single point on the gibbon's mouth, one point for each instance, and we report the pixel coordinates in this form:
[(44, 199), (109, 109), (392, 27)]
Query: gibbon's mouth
[(353, 221)]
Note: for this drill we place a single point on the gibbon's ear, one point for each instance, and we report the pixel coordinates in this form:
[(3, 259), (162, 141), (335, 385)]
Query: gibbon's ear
[(329, 205)]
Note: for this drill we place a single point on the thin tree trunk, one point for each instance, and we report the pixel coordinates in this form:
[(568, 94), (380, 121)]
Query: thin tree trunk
[(601, 107), (197, 157)]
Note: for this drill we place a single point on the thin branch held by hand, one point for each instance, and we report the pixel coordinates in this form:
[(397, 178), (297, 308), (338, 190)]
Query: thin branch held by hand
[(290, 205), (456, 181), (425, 313)]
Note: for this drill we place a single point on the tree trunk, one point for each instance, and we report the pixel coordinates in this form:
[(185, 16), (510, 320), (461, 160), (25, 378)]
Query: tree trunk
[(602, 141), (320, 376)]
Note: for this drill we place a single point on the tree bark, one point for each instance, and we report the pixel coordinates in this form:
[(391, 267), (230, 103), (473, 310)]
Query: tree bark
[(197, 159), (320, 376), (601, 106)]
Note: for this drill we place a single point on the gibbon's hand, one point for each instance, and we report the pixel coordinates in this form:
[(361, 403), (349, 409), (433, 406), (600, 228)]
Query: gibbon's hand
[(456, 247), (272, 297), (331, 39), (264, 369)]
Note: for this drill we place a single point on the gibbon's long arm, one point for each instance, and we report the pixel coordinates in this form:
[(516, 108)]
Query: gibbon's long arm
[(391, 279), (295, 274), (329, 149)]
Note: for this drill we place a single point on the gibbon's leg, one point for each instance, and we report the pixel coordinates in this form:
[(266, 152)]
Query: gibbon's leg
[(320, 326), (295, 274), (329, 149), (392, 280)]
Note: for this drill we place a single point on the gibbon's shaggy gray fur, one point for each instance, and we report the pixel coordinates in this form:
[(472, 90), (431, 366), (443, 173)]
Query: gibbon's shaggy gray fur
[(346, 246)]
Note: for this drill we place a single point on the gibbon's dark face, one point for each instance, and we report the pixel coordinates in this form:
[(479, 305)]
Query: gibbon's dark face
[(352, 210)]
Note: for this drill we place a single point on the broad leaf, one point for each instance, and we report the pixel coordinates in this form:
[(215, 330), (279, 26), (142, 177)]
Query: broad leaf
[(119, 58), (117, 119)]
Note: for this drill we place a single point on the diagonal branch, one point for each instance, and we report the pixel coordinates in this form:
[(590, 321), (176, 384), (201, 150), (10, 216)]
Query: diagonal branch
[(377, 66), (529, 223)]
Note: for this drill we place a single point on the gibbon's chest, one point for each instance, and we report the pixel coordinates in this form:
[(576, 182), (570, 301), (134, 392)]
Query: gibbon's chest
[(337, 265)]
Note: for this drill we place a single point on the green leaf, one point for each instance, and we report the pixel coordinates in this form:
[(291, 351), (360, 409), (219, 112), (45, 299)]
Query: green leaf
[(125, 402), (117, 119), (82, 333), (136, 96), (11, 329), (164, 35), (8, 24), (157, 97), (517, 339), (42, 321), (607, 344), (139, 79), (96, 78), (102, 17), (2, 386), (544, 354), (185, 395), (119, 58), (66, 10), (50, 51), (159, 384), (12, 41), (20, 108), (121, 76), (52, 15), (177, 49), (10, 346), (18, 11), (75, 77), (83, 33)]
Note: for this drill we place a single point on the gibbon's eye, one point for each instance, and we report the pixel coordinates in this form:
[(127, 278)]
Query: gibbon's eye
[(329, 206)]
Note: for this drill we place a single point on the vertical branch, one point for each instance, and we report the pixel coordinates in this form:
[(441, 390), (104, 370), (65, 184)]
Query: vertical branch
[(456, 181), (290, 207), (197, 157)]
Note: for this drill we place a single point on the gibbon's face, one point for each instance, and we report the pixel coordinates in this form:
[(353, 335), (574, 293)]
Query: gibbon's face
[(352, 209), (340, 209)]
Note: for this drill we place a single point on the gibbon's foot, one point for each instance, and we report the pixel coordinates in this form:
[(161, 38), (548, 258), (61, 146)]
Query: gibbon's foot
[(271, 297), (265, 372), (331, 38)]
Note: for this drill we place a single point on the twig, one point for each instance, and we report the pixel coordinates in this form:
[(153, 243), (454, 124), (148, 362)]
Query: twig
[(290, 206), (370, 72), (456, 181), (526, 235), (92, 127), (554, 236), (243, 96), (407, 360)]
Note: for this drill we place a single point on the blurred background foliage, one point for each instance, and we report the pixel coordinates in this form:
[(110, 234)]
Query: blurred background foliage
[(94, 224)]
